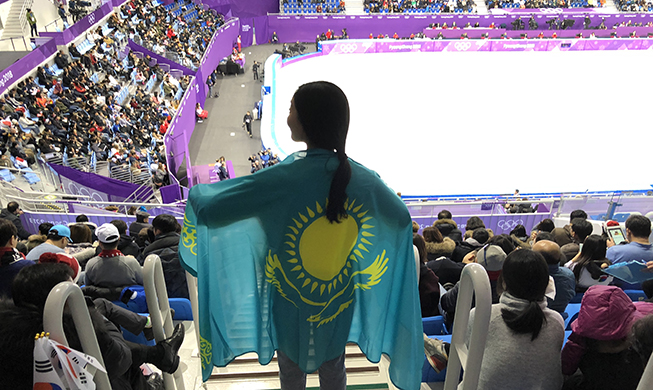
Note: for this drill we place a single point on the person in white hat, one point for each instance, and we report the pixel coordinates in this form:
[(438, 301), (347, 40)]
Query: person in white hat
[(111, 268)]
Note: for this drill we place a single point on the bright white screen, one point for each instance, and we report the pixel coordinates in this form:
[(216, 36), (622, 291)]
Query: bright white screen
[(489, 122)]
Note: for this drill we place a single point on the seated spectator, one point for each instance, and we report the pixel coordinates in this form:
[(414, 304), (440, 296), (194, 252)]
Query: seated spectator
[(474, 223), (83, 219), (126, 245), (140, 224), (580, 230), (588, 264), (37, 239), (476, 241), (448, 227), (122, 358), (12, 213), (436, 245), (11, 260), (165, 245), (638, 230), (563, 235), (57, 239), (200, 113), (429, 288), (524, 337), (111, 268), (599, 345), (563, 278), (81, 245)]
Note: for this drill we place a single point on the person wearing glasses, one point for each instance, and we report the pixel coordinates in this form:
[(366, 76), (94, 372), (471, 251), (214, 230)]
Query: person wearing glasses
[(58, 239)]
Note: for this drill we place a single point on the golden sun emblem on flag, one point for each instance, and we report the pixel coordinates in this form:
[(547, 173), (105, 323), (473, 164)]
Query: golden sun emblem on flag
[(321, 260)]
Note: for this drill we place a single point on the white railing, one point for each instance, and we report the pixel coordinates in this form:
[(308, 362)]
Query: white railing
[(473, 282), (156, 295), (23, 13), (53, 323)]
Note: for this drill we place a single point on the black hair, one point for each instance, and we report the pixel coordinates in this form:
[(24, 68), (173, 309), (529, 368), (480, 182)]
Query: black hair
[(639, 226), (474, 223), (444, 214), (582, 228), (503, 241), (32, 284), (481, 235), (165, 222), (591, 256), (546, 225), (642, 338), (518, 231), (323, 111), (54, 235), (577, 214), (120, 225), (141, 217), (526, 276), (45, 227), (7, 231), (81, 218), (545, 236), (12, 207)]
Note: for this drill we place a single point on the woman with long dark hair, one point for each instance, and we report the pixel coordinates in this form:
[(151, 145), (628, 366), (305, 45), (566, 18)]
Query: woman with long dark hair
[(588, 264), (316, 248), (524, 337)]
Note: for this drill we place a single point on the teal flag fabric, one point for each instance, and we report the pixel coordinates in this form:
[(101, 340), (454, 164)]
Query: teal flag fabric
[(273, 273)]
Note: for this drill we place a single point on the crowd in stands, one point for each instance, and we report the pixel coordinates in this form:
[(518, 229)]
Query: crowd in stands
[(634, 5), (419, 6), (183, 29), (107, 261), (533, 277), (263, 159), (313, 6)]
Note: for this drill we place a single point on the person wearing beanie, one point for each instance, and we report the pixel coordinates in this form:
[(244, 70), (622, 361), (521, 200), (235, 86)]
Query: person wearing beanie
[(63, 258), (111, 268), (11, 260), (57, 239)]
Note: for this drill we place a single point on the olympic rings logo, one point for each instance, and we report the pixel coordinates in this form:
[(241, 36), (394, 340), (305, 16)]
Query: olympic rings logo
[(551, 10), (462, 46), (348, 48), (91, 18), (509, 224)]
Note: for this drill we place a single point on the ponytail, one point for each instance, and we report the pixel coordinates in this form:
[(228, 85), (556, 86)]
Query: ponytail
[(335, 210), (529, 320)]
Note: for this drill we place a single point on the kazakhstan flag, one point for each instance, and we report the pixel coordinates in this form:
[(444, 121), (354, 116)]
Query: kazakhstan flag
[(273, 273)]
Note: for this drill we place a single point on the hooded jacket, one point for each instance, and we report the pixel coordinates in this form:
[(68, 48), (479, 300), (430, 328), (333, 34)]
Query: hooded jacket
[(15, 219), (435, 250), (449, 228)]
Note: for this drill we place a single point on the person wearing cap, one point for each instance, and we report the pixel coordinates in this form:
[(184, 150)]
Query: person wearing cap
[(140, 224), (12, 213), (111, 268), (57, 240)]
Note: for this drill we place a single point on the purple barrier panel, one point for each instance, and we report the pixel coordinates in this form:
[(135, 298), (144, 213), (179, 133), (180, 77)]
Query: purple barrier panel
[(528, 11), (261, 27), (180, 131), (403, 46), (57, 36), (96, 183), (246, 32), (74, 188), (27, 64), (466, 45), (86, 22), (500, 224), (170, 193), (160, 59), (349, 47), (220, 47)]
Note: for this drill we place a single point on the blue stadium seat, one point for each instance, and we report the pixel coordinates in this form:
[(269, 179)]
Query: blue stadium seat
[(433, 325), (636, 295)]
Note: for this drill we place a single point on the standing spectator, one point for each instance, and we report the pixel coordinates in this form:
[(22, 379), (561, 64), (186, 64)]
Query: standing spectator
[(12, 213), (11, 260), (255, 70), (58, 239), (31, 19), (111, 268), (239, 44), (247, 122), (165, 245), (62, 13), (210, 82)]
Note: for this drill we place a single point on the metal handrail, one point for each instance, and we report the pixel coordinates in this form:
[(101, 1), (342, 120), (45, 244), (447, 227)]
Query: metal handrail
[(474, 281), (23, 14), (158, 305), (54, 201), (55, 22), (13, 46), (53, 323)]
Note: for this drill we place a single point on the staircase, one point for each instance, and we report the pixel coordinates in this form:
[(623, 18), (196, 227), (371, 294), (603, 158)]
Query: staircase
[(354, 7), (481, 7), (16, 24), (245, 372), (610, 7)]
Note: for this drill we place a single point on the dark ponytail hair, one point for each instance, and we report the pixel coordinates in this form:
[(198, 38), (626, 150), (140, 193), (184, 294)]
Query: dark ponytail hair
[(526, 276), (592, 256), (323, 111), (7, 231)]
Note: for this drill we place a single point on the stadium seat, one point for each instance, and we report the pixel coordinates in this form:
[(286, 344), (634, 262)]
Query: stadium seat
[(572, 313), (636, 295), (433, 325)]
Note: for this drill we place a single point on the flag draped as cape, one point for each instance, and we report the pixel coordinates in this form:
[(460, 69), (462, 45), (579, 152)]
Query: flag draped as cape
[(273, 273)]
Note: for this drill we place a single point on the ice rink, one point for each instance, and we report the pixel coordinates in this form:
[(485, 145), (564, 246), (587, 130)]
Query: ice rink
[(489, 122)]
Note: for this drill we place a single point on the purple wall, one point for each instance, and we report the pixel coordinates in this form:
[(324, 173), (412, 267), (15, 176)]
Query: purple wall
[(159, 59), (244, 8)]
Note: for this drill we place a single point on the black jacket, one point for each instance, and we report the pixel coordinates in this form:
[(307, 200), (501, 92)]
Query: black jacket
[(15, 219), (166, 247)]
